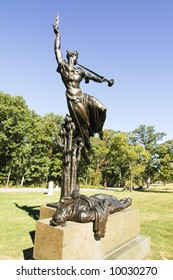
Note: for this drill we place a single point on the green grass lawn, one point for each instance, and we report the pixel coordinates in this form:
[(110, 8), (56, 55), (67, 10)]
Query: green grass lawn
[(19, 212)]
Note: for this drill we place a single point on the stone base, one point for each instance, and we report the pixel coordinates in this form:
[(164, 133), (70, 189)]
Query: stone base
[(76, 241), (46, 212), (135, 249)]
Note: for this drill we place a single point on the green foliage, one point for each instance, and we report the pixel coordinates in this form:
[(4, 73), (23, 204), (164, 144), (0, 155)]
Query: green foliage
[(149, 139), (165, 154), (146, 136), (93, 173), (15, 124), (125, 161), (30, 155), (28, 144)]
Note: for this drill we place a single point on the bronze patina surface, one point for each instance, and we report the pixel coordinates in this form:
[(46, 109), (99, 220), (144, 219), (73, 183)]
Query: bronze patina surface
[(83, 209), (87, 117)]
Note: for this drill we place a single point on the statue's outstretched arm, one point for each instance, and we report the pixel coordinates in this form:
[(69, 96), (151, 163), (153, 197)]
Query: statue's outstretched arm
[(88, 76), (57, 43)]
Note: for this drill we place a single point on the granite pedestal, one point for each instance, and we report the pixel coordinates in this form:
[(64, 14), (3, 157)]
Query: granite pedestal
[(76, 241)]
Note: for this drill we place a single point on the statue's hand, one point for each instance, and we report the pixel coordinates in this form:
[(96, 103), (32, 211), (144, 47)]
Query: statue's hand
[(55, 26), (56, 31), (103, 79)]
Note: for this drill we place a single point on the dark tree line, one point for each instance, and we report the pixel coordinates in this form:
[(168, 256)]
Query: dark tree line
[(28, 144), (30, 155)]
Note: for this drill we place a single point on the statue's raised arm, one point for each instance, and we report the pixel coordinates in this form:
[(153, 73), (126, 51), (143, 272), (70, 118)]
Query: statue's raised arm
[(87, 113), (57, 43)]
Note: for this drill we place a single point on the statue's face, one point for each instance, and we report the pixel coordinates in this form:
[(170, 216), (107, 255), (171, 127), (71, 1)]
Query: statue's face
[(61, 215), (75, 59), (72, 56)]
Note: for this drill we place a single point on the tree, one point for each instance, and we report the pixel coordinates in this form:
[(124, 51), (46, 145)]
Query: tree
[(148, 138), (30, 154), (92, 174), (165, 152), (117, 165), (44, 157), (126, 162), (28, 143), (15, 123), (98, 155), (52, 125)]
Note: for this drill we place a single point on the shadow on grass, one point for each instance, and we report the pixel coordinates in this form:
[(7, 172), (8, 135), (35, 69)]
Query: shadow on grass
[(32, 212), (28, 253)]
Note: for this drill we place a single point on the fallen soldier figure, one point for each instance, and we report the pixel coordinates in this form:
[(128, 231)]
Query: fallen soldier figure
[(83, 209)]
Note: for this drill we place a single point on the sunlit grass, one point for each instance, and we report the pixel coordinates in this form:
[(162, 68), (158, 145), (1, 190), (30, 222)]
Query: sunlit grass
[(19, 212)]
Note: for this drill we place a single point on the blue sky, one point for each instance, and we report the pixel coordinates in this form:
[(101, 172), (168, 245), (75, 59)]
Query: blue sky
[(128, 40)]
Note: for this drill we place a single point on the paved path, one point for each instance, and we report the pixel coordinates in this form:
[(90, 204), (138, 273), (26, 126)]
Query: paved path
[(42, 190)]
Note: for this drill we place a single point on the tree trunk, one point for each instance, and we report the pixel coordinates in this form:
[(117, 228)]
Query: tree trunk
[(105, 183), (87, 176), (8, 179), (148, 182), (131, 179), (22, 181)]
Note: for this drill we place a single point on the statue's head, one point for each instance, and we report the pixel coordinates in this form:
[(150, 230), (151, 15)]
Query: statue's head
[(72, 55), (62, 214)]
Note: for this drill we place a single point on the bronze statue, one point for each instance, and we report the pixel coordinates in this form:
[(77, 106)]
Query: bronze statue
[(83, 209), (88, 113), (87, 116)]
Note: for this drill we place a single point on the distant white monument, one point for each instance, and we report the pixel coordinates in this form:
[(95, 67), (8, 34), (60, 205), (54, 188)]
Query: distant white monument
[(50, 188)]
